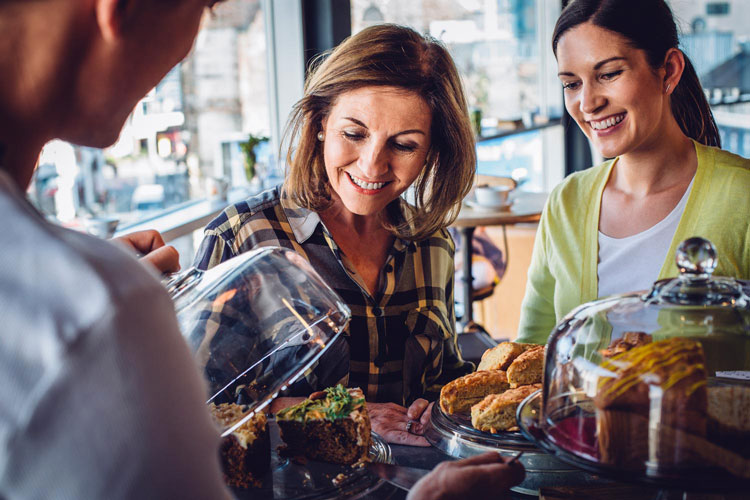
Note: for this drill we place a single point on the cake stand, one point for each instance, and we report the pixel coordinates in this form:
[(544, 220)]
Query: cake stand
[(454, 436), (313, 480), (576, 445)]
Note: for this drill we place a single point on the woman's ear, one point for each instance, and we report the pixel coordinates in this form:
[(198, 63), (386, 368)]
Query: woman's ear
[(674, 65), (111, 16)]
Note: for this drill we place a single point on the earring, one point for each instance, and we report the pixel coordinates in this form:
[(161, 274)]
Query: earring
[(321, 136), (669, 86)]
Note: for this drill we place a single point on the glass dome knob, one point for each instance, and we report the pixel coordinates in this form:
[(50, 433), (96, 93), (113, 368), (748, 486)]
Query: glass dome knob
[(696, 256)]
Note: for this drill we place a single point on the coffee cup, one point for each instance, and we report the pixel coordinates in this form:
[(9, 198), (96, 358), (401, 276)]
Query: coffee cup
[(493, 196)]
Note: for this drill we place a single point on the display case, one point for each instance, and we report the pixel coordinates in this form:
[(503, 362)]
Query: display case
[(653, 385), (256, 324)]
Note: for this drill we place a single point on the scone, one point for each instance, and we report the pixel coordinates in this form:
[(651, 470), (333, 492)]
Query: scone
[(497, 412), (460, 394), (527, 368), (502, 355)]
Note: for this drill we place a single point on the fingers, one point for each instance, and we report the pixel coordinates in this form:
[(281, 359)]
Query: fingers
[(165, 259), (417, 408), (489, 457), (142, 241), (503, 476), (403, 438), (390, 421), (425, 418)]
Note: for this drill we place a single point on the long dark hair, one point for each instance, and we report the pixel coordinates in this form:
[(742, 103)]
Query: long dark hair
[(648, 25)]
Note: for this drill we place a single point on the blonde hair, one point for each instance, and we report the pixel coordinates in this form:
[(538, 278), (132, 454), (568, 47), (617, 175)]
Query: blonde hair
[(394, 56)]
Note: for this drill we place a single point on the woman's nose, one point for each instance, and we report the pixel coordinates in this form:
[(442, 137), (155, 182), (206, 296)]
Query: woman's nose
[(373, 160), (591, 99)]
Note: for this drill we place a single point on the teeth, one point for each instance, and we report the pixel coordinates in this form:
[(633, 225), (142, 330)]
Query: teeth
[(609, 122), (366, 185)]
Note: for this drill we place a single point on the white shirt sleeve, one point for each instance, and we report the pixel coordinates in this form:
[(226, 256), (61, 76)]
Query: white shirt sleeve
[(121, 416)]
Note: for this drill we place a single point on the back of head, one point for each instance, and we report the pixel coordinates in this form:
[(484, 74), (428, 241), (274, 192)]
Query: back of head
[(649, 26), (388, 55)]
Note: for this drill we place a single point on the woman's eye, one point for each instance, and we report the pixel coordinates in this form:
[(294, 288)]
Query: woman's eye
[(407, 148), (613, 74), (570, 85), (352, 136)]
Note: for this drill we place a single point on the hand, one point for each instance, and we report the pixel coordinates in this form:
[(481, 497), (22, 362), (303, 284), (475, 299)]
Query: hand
[(488, 475), (151, 246), (420, 411), (389, 420)]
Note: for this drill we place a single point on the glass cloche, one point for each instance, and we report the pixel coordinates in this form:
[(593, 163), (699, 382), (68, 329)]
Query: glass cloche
[(653, 385), (256, 322)]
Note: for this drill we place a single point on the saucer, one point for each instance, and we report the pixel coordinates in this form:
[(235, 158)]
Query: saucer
[(505, 207)]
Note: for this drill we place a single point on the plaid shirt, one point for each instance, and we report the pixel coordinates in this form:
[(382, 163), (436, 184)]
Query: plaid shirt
[(400, 344)]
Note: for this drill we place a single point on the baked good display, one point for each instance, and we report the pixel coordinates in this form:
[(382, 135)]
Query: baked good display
[(460, 394), (331, 425), (497, 412), (246, 452), (502, 355), (662, 381), (729, 417), (528, 368), (628, 341)]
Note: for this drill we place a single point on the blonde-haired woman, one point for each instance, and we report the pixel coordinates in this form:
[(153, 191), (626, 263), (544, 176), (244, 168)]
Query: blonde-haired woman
[(382, 113)]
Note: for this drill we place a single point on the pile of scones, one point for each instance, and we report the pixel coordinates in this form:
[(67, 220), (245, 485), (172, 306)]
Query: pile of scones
[(507, 374)]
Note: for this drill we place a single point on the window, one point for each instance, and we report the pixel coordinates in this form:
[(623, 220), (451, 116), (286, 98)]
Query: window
[(717, 8), (182, 141), (719, 47), (502, 51)]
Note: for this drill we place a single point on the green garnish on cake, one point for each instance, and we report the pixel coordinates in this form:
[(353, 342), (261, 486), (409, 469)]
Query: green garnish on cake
[(332, 426), (336, 403)]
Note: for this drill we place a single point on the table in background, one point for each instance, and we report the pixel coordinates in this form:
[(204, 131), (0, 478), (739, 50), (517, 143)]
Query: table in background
[(526, 208)]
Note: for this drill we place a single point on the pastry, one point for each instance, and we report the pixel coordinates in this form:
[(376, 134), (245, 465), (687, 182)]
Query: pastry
[(527, 368), (502, 355), (246, 452), (497, 412), (460, 394), (332, 426)]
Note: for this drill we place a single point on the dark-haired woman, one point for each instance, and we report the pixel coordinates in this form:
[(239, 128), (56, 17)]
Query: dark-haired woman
[(614, 228)]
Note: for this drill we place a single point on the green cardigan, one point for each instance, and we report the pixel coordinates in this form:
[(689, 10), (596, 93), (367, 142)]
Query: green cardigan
[(563, 271)]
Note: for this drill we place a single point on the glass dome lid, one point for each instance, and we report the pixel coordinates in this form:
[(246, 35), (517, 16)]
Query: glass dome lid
[(653, 385), (255, 323)]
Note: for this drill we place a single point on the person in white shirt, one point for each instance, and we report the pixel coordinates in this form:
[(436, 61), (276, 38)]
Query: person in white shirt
[(99, 395)]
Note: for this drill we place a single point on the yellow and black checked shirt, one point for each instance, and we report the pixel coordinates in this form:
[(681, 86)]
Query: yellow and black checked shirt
[(399, 345)]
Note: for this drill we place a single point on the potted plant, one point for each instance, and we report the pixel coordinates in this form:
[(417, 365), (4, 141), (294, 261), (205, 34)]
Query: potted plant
[(248, 150)]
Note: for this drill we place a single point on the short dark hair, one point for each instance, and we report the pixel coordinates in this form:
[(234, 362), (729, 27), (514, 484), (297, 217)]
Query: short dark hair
[(648, 25)]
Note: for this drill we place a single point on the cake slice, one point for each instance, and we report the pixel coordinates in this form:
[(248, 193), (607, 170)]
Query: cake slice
[(246, 452), (331, 426), (628, 341), (527, 368), (497, 412), (460, 394), (502, 355)]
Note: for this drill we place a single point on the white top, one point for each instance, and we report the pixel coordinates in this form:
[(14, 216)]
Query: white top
[(100, 397), (633, 263)]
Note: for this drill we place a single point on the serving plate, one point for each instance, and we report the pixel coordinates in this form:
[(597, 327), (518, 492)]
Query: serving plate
[(289, 479), (454, 436), (577, 445)]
